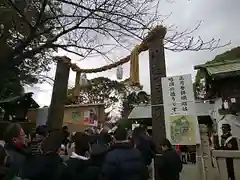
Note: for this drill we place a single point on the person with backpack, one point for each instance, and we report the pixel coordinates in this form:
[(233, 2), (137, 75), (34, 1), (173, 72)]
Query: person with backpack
[(35, 145), (76, 167), (123, 161), (43, 167)]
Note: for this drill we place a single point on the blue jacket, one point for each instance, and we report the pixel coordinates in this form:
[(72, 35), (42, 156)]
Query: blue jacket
[(124, 162)]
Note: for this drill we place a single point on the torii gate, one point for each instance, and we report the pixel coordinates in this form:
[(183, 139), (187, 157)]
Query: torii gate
[(152, 42)]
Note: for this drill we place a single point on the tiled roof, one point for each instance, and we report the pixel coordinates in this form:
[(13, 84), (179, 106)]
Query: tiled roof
[(227, 67), (141, 112)]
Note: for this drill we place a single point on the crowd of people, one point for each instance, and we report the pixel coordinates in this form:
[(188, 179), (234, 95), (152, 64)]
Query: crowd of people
[(57, 155)]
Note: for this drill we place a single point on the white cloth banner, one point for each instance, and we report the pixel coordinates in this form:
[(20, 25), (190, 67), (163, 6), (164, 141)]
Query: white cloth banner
[(179, 109)]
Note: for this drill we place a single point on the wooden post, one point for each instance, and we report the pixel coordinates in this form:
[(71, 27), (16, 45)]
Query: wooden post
[(157, 71), (59, 94)]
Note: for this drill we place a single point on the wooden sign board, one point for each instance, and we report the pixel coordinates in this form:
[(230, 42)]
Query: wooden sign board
[(76, 117)]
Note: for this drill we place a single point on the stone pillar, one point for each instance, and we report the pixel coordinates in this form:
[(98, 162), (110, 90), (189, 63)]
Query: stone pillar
[(204, 163), (157, 71), (59, 94)]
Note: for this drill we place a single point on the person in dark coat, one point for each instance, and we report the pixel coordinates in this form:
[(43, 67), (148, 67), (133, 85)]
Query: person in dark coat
[(104, 137), (66, 136), (44, 166), (144, 144), (97, 156), (76, 167), (170, 165), (93, 138), (123, 161), (16, 150), (228, 142), (3, 160), (184, 151)]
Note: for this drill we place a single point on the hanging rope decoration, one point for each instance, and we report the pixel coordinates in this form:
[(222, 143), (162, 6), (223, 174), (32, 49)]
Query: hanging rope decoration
[(83, 80), (77, 84), (119, 72), (158, 31), (134, 65)]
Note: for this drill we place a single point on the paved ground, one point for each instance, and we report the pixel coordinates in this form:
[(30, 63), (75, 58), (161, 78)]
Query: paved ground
[(189, 172)]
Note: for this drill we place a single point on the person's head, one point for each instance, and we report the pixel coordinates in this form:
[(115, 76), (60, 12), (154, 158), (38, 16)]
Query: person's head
[(137, 133), (65, 128), (52, 143), (144, 128), (226, 128), (98, 150), (120, 134), (14, 134), (81, 141), (42, 130), (166, 144), (65, 131)]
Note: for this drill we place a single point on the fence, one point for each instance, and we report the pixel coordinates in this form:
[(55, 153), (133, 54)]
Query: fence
[(221, 156)]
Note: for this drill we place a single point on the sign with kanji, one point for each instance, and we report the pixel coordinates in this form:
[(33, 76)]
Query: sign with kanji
[(85, 116), (179, 109)]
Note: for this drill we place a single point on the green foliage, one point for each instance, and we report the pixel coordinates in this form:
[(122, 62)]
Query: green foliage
[(112, 94), (102, 90), (15, 29), (10, 86)]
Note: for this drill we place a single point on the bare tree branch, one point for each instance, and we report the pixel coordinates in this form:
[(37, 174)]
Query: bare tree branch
[(95, 27)]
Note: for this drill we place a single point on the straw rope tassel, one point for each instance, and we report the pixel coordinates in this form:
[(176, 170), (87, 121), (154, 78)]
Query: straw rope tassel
[(134, 65), (77, 85)]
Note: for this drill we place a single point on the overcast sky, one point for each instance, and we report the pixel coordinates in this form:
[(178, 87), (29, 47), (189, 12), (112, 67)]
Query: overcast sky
[(220, 20)]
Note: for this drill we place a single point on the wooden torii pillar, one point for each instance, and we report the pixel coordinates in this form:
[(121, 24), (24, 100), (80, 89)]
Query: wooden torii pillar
[(59, 93), (157, 72)]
